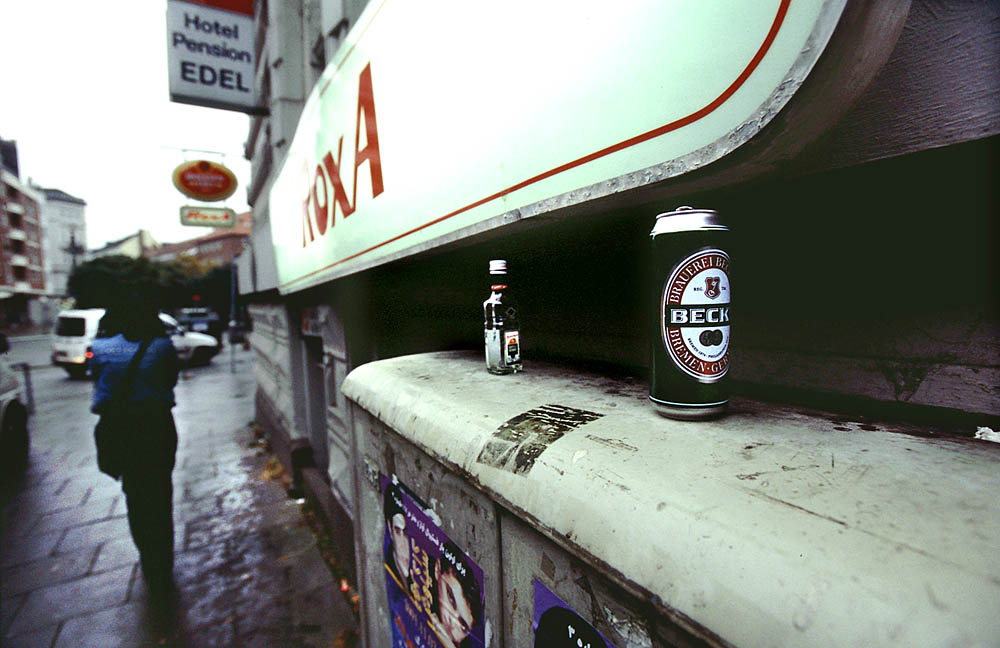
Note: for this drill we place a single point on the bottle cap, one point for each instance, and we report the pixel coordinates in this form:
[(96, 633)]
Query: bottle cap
[(498, 266)]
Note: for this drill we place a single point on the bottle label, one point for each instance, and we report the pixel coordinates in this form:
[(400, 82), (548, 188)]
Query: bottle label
[(694, 315), (511, 347)]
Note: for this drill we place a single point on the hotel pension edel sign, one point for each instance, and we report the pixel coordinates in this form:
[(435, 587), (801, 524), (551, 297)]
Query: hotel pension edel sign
[(436, 117)]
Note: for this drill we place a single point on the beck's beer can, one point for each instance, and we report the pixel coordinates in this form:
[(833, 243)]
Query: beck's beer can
[(689, 332)]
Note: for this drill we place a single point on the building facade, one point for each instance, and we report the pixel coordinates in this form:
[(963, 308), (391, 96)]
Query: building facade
[(139, 244), (64, 237), (22, 277), (217, 248), (859, 185)]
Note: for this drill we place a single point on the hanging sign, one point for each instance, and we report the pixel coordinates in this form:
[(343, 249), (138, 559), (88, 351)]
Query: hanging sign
[(208, 216), (204, 180), (211, 53)]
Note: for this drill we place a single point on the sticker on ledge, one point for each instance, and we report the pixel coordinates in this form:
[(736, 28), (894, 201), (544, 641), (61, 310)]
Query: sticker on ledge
[(558, 626), (520, 441), (435, 591)]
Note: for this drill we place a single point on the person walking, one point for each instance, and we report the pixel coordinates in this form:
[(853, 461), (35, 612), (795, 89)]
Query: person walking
[(135, 370)]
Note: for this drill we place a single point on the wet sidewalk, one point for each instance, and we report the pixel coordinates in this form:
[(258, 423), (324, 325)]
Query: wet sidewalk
[(248, 571)]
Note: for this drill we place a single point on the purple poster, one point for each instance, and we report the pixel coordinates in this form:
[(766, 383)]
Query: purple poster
[(434, 589), (558, 626)]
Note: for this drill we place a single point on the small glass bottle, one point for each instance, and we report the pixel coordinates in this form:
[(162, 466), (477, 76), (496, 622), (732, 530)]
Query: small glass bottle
[(501, 324)]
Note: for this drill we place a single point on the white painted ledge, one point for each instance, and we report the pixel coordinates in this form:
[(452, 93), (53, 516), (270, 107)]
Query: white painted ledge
[(770, 527)]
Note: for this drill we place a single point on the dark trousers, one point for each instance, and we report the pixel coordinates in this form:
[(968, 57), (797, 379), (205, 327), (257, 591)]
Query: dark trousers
[(149, 496)]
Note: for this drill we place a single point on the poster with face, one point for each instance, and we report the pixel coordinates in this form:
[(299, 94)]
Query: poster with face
[(435, 591), (558, 626)]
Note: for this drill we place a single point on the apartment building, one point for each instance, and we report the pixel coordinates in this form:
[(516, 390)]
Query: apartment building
[(22, 273)]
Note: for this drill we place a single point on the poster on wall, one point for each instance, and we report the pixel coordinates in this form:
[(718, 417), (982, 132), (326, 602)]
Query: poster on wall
[(558, 626), (435, 591)]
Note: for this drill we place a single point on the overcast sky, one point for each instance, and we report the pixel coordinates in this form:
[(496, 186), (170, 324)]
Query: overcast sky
[(85, 95)]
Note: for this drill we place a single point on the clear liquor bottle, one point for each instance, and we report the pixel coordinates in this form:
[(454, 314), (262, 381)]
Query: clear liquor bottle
[(501, 324)]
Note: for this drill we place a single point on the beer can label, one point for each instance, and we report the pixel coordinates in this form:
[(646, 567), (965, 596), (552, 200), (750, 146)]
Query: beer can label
[(694, 315)]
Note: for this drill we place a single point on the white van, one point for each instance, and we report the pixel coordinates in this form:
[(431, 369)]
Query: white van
[(76, 330)]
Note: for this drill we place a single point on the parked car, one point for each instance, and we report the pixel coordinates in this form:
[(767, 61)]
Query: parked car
[(193, 348), (201, 320), (76, 330), (14, 438)]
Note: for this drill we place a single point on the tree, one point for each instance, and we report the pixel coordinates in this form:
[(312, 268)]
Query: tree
[(105, 281)]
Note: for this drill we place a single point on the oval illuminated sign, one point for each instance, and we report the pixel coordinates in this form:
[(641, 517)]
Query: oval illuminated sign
[(204, 180)]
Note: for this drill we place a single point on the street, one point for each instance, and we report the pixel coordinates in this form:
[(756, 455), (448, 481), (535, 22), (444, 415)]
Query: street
[(248, 571), (33, 349)]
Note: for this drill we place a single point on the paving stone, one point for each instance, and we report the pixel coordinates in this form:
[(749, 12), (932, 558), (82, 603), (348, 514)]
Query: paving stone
[(212, 487), (103, 487), (314, 608), (9, 607), (75, 491), (29, 547), (126, 625), (50, 488), (116, 553), (47, 571), (187, 510), (76, 516), (40, 503), (210, 604), (214, 635), (17, 524), (94, 534), (192, 566), (37, 475), (309, 571), (285, 638), (41, 638), (229, 455), (197, 473), (293, 542), (74, 598), (118, 506), (252, 494)]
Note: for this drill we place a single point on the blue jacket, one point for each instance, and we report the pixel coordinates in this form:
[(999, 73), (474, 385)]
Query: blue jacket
[(154, 379)]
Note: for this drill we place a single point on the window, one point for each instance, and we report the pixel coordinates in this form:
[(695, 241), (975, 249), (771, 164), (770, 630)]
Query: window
[(71, 326)]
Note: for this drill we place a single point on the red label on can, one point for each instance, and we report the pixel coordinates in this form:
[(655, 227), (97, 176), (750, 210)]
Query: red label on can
[(694, 315)]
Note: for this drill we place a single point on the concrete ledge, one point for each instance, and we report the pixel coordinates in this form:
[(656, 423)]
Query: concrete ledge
[(771, 526)]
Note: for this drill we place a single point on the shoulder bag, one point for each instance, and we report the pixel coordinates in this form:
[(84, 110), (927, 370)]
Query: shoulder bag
[(114, 427)]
